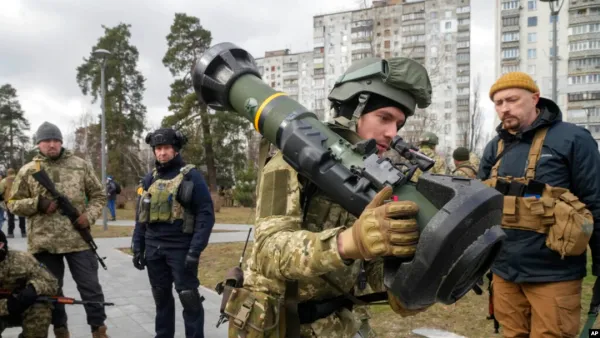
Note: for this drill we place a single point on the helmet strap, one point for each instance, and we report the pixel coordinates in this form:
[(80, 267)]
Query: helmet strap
[(362, 102)]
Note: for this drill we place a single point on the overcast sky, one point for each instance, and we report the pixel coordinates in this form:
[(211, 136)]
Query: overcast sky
[(43, 41)]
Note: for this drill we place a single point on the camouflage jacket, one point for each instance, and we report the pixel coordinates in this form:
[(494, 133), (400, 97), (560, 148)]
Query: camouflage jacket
[(438, 168), (21, 268), (465, 169), (73, 177), (286, 248), (474, 160)]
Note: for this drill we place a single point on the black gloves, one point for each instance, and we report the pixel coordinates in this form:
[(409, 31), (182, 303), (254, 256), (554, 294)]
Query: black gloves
[(19, 302), (191, 263), (139, 262)]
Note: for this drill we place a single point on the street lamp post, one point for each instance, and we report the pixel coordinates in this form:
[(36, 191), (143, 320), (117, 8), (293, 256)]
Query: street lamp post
[(103, 54), (555, 6)]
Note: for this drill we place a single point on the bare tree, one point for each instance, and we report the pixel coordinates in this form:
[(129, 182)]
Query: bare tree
[(473, 137)]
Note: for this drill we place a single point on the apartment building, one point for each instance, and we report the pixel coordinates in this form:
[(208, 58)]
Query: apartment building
[(291, 73), (524, 43), (583, 92), (434, 32)]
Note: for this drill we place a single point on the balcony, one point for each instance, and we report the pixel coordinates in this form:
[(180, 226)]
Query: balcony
[(508, 44), (510, 12), (463, 37), (464, 27), (512, 28), (579, 19)]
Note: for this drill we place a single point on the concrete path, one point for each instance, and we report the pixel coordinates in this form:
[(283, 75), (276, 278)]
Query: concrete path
[(134, 310)]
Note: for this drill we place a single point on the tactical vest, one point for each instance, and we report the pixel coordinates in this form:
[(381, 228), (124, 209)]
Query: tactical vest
[(7, 187), (159, 203), (534, 206), (470, 170)]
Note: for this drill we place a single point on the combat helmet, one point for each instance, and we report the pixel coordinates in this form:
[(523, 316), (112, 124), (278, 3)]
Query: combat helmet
[(401, 80), (429, 138)]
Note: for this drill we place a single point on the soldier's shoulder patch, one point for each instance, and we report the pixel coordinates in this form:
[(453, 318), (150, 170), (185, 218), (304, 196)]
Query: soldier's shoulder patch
[(274, 197)]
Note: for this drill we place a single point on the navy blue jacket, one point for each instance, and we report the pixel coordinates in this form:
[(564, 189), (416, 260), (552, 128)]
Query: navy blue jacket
[(171, 235), (569, 159)]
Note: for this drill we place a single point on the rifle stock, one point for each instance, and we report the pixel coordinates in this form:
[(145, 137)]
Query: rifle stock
[(58, 299), (68, 209)]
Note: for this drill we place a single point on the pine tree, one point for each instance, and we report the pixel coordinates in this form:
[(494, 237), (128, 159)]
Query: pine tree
[(125, 112), (13, 125)]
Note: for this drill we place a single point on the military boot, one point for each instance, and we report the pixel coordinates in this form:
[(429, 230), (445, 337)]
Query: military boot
[(100, 332), (61, 332)]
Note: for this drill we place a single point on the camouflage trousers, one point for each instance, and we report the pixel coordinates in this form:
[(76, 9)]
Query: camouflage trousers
[(35, 321)]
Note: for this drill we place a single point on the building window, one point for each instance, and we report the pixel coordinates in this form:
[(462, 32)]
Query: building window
[(553, 18), (531, 53), (531, 69), (507, 5), (433, 15), (512, 21), (532, 21), (552, 51), (508, 53), (510, 36), (532, 5), (532, 37), (448, 24)]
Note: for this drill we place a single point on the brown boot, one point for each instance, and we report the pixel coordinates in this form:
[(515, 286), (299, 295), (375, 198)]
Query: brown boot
[(100, 332), (61, 332)]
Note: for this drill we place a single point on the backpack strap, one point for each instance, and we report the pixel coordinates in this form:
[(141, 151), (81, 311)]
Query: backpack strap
[(463, 166), (535, 151), (497, 165)]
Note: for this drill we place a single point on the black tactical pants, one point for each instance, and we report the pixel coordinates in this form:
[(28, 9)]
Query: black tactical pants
[(11, 224), (165, 268), (84, 270)]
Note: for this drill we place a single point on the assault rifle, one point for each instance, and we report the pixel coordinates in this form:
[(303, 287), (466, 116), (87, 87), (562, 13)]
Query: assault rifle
[(233, 279), (58, 299), (67, 209)]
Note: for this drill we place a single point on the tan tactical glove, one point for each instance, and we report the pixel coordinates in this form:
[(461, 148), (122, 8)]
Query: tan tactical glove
[(399, 309), (382, 230)]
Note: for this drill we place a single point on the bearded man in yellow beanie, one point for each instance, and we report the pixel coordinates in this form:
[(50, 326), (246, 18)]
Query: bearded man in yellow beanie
[(547, 170)]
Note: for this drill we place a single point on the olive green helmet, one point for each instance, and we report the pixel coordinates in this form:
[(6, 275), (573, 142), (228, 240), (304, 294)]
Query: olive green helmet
[(429, 138), (399, 79)]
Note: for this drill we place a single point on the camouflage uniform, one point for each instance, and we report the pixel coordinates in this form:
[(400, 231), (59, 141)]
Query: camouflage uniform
[(73, 177), (21, 268), (287, 248), (465, 169), (52, 238), (438, 168), (474, 160)]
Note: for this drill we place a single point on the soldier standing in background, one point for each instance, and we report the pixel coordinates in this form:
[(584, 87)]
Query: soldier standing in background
[(5, 186), (464, 168), (173, 224), (427, 144), (52, 238)]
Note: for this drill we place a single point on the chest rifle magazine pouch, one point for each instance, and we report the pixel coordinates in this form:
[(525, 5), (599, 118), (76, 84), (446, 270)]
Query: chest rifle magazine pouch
[(161, 202), (144, 207), (573, 227)]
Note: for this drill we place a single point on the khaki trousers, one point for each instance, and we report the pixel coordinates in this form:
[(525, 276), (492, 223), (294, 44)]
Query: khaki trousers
[(537, 310)]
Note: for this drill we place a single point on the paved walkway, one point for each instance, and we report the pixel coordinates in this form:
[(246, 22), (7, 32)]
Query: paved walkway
[(134, 311)]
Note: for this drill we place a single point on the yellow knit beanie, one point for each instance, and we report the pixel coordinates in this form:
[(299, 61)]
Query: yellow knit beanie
[(514, 80)]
